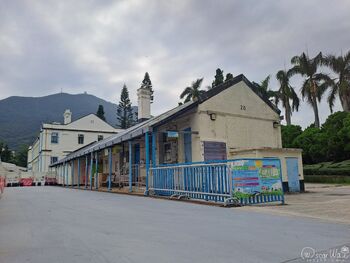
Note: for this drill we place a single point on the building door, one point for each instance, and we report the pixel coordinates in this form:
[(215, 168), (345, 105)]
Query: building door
[(188, 145), (293, 174)]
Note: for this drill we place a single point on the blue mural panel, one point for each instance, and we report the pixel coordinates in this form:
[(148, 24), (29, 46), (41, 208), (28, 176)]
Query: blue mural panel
[(254, 178)]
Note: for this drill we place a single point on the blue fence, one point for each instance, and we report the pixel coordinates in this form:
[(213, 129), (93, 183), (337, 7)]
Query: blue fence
[(199, 181), (247, 181)]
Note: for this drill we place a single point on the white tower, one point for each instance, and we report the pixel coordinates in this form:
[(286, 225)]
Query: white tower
[(144, 104), (67, 115)]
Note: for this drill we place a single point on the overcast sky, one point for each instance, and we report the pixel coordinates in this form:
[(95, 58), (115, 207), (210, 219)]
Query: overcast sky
[(96, 46)]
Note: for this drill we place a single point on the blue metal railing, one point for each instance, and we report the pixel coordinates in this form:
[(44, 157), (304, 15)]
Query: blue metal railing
[(198, 181), (214, 181)]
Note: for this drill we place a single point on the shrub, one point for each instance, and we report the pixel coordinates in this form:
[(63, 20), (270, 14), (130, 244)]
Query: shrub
[(327, 179), (326, 171)]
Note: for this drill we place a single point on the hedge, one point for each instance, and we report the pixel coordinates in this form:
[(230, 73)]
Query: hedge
[(326, 171), (327, 179)]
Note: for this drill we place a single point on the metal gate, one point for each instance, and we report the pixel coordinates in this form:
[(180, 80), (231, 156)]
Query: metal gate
[(244, 181)]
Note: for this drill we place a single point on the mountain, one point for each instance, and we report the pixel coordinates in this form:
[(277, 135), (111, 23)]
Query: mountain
[(21, 117)]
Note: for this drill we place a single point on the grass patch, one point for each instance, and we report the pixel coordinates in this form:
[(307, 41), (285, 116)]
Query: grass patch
[(247, 195)]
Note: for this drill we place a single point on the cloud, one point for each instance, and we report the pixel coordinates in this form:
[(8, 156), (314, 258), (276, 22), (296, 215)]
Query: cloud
[(97, 46)]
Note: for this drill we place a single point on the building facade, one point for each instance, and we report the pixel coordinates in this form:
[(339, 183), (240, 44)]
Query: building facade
[(226, 122), (56, 141)]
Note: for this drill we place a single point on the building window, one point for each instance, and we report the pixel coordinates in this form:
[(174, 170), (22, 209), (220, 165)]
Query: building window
[(100, 137), (80, 139), (54, 137), (53, 159), (214, 150)]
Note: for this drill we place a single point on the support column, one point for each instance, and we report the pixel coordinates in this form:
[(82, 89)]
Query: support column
[(154, 152), (130, 166), (66, 175), (96, 171), (147, 160), (78, 172), (72, 164), (86, 170), (62, 173), (91, 165), (60, 176), (110, 169)]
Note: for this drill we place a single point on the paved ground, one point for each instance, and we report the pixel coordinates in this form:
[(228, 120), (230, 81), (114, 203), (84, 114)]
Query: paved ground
[(322, 201), (52, 224)]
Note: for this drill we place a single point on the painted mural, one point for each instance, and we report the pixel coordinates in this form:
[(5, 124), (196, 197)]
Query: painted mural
[(256, 177)]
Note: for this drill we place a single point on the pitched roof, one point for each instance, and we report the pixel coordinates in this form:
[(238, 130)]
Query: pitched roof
[(65, 126)]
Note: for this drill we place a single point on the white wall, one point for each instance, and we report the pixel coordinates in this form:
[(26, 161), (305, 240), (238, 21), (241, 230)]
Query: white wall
[(242, 119), (43, 149)]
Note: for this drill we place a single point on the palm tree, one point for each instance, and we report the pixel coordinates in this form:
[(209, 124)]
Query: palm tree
[(193, 92), (264, 89), (340, 66), (315, 83), (286, 93)]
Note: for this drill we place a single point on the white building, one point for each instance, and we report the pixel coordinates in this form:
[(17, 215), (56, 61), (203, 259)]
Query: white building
[(55, 141)]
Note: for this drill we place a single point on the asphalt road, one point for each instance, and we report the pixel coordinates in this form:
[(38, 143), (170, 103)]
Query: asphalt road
[(52, 224)]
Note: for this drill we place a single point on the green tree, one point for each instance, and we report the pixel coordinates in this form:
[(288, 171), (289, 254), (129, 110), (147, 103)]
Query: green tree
[(329, 143), (228, 76), (313, 142), (219, 78), (344, 133), (101, 113), (315, 83), (147, 84), (125, 115), (285, 94), (5, 153), (336, 128), (341, 67), (289, 134), (193, 92), (20, 158)]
